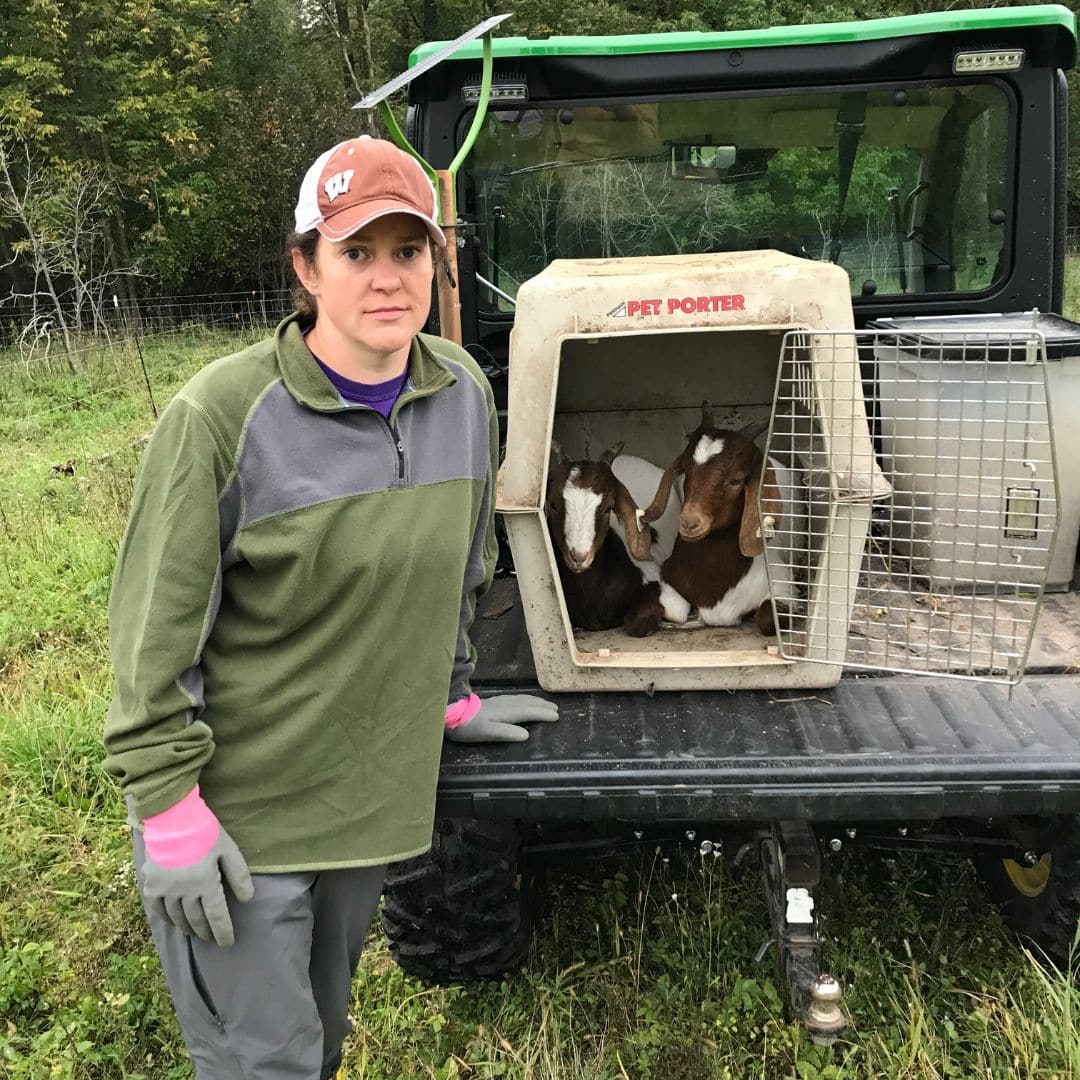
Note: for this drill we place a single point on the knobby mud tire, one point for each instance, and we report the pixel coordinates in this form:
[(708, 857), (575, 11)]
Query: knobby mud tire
[(1042, 903), (464, 911)]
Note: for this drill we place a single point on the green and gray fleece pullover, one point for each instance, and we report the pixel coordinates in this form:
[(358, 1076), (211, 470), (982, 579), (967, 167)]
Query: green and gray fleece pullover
[(291, 605)]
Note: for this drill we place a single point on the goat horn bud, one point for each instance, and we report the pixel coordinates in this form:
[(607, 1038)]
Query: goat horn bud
[(608, 456), (706, 415)]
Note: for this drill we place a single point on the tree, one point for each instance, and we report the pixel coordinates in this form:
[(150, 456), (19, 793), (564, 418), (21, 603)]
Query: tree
[(24, 197), (202, 115), (272, 121), (124, 86), (59, 255)]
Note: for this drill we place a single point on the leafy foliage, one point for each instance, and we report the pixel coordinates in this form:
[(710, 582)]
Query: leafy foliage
[(202, 114)]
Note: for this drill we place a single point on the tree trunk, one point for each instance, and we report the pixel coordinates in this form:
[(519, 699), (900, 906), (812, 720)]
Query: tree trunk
[(365, 27), (344, 31), (116, 240)]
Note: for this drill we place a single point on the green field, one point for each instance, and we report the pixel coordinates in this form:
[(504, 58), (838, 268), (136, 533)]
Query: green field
[(644, 966)]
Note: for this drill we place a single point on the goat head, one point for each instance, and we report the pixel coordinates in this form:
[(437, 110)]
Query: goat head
[(581, 496), (723, 475)]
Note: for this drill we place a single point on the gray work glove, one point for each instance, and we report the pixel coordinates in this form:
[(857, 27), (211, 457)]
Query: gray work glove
[(192, 898), (498, 719)]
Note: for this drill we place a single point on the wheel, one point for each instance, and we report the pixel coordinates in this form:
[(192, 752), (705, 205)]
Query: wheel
[(463, 912), (1041, 902)]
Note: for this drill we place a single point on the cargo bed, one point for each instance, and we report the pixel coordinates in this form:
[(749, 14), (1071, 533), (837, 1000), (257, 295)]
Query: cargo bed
[(872, 748)]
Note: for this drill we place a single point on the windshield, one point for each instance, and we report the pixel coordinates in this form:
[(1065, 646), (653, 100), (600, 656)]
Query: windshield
[(904, 188)]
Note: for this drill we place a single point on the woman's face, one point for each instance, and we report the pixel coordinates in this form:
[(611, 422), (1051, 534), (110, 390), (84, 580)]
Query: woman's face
[(373, 289)]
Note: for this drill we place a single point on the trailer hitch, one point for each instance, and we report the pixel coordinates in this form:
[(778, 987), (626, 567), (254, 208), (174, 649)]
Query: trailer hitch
[(791, 869)]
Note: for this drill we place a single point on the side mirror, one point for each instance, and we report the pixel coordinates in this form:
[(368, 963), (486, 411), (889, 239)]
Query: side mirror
[(707, 164)]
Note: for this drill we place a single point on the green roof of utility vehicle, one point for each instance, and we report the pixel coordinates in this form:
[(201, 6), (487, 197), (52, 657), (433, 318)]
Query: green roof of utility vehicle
[(935, 22)]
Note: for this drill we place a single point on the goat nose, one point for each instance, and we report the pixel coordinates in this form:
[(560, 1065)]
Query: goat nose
[(692, 524)]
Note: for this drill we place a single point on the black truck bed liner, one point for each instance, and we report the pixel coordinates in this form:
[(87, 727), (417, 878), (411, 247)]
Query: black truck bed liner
[(899, 747)]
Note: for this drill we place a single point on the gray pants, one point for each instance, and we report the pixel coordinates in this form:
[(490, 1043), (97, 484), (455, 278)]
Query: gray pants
[(273, 1006)]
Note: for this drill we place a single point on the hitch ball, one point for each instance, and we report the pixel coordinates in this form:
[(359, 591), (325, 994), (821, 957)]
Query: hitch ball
[(823, 1014)]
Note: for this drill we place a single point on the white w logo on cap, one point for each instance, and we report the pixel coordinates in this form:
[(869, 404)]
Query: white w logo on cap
[(338, 184)]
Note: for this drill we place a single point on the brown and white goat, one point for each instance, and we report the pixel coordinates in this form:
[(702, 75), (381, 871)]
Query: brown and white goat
[(718, 563), (604, 584)]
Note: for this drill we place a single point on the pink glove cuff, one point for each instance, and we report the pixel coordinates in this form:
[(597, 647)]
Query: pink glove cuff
[(183, 834), (461, 712)]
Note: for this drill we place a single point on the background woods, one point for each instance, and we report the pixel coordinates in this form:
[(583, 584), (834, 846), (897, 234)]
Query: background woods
[(150, 147)]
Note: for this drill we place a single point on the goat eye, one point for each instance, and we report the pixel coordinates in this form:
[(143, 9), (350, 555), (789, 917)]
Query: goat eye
[(735, 483)]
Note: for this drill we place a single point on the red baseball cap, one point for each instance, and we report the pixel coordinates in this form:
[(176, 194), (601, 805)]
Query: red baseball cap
[(360, 180)]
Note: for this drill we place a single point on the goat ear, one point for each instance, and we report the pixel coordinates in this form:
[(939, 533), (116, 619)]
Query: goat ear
[(751, 542), (558, 469), (638, 541), (608, 456), (657, 507)]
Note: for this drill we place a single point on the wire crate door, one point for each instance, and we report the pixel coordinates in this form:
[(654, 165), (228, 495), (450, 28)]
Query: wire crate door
[(923, 502)]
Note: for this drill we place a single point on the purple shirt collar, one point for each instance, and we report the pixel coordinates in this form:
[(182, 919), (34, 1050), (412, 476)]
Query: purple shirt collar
[(377, 396)]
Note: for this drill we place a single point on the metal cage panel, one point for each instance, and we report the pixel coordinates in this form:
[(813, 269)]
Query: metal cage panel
[(954, 568)]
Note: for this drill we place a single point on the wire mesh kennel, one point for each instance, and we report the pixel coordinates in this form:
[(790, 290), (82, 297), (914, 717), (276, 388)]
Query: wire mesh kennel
[(957, 558)]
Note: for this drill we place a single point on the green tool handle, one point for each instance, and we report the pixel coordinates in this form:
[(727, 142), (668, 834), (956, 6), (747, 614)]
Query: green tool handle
[(444, 181)]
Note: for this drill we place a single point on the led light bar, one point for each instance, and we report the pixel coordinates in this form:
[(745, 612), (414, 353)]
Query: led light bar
[(500, 92), (988, 60)]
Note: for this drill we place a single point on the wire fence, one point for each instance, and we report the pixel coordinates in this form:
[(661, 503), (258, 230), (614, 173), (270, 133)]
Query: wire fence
[(67, 411), (70, 328), (55, 345)]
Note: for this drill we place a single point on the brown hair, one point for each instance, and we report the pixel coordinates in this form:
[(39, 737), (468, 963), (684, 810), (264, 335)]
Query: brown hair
[(306, 243)]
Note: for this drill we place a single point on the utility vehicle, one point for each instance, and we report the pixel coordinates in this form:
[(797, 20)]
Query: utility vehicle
[(926, 157)]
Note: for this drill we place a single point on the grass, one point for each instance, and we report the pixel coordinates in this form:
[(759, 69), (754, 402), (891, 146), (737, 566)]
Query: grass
[(644, 965), (1070, 308)]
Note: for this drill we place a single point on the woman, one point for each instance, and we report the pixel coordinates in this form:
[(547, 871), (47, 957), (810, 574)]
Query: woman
[(310, 532)]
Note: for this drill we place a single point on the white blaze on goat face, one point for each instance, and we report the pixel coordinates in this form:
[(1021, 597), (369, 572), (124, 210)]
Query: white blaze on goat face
[(581, 505), (707, 447)]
